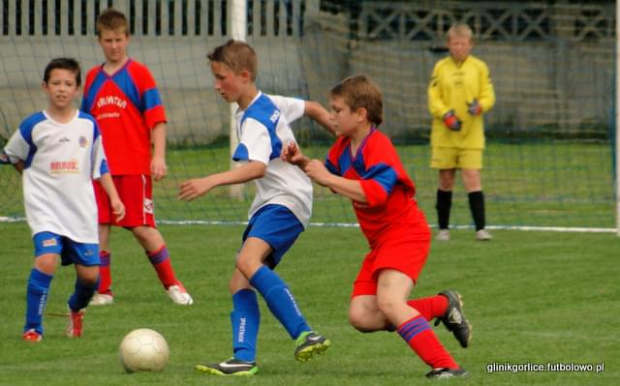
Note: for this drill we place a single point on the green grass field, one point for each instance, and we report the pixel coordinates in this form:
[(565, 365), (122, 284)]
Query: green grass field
[(533, 297)]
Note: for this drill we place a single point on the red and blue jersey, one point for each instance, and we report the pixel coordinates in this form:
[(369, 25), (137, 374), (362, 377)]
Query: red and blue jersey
[(389, 191), (127, 105)]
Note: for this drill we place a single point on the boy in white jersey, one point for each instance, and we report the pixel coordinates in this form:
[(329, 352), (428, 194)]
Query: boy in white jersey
[(280, 211), (58, 152)]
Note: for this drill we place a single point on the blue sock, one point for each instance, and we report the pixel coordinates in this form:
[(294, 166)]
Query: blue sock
[(38, 289), (82, 295), (245, 320), (280, 301)]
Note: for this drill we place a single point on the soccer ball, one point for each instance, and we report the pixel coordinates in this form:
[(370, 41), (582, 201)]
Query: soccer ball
[(144, 350)]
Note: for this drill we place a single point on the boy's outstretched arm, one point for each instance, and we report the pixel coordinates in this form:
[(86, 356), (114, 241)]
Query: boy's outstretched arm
[(320, 115), (352, 189), (194, 188), (115, 202)]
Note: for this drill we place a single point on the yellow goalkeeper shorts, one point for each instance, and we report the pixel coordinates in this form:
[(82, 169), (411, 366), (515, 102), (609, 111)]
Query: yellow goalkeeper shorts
[(455, 158)]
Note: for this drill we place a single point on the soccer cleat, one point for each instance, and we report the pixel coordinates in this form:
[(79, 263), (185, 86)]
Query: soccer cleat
[(74, 328), (101, 300), (231, 367), (32, 336), (443, 235), (483, 235), (447, 373), (454, 318), (179, 295), (309, 344)]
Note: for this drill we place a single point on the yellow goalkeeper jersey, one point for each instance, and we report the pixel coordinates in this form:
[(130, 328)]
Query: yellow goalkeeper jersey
[(453, 87)]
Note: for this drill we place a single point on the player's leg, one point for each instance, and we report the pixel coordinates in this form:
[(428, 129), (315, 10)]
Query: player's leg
[(245, 321), (364, 313), (393, 288), (471, 161), (47, 248), (137, 195), (365, 316), (444, 202), (85, 257), (157, 252), (445, 161), (104, 294), (270, 234)]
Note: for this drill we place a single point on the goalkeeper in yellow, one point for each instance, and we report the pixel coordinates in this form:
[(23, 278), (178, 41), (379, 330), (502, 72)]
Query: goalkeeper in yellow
[(460, 92)]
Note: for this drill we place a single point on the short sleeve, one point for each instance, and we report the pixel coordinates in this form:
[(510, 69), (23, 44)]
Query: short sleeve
[(17, 149), (291, 108)]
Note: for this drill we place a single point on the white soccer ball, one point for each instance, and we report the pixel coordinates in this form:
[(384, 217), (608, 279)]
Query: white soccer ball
[(144, 350)]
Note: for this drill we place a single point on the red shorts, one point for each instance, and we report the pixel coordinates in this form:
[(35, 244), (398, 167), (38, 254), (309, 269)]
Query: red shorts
[(136, 193), (405, 253)]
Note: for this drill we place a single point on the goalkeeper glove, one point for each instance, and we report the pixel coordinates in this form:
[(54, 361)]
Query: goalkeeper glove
[(451, 120), (474, 108)]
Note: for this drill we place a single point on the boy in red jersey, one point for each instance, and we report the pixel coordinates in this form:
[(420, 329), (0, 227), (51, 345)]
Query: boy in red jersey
[(363, 165), (122, 96)]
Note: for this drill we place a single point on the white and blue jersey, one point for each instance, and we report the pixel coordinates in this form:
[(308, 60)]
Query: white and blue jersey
[(263, 129), (60, 161)]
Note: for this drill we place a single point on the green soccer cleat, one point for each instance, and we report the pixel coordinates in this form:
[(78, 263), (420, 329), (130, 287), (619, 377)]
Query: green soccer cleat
[(454, 318), (231, 367), (447, 373), (309, 344)]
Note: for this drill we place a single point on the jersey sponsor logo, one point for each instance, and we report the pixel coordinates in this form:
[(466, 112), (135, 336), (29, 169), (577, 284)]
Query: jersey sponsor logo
[(148, 206), (108, 115), (83, 141), (111, 100), (64, 140), (49, 243), (274, 117), (64, 167)]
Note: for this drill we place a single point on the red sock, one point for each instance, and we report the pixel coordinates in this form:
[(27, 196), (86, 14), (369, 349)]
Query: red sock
[(160, 260), (422, 339), (430, 307), (105, 276)]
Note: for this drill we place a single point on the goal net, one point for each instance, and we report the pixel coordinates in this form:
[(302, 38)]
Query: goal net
[(549, 160)]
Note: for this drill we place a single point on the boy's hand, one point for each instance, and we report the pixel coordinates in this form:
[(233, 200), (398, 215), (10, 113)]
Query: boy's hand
[(195, 188), (4, 159), (117, 208), (158, 168), (317, 171), (474, 108), (291, 153), (452, 121)]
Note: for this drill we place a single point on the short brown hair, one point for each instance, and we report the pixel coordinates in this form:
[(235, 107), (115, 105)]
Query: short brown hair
[(359, 91), (237, 55), (113, 20), (68, 64)]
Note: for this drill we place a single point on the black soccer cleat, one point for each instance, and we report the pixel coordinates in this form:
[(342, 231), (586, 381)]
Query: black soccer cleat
[(309, 344), (454, 318), (447, 373), (230, 367)]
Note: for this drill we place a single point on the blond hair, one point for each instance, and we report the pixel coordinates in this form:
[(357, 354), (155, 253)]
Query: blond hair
[(460, 30), (237, 55), (358, 91), (112, 20)]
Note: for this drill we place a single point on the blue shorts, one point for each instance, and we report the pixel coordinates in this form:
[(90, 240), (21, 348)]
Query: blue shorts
[(277, 226), (70, 252)]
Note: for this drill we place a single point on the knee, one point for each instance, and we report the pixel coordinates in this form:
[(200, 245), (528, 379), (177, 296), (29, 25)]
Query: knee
[(144, 234), (360, 322), (387, 307)]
